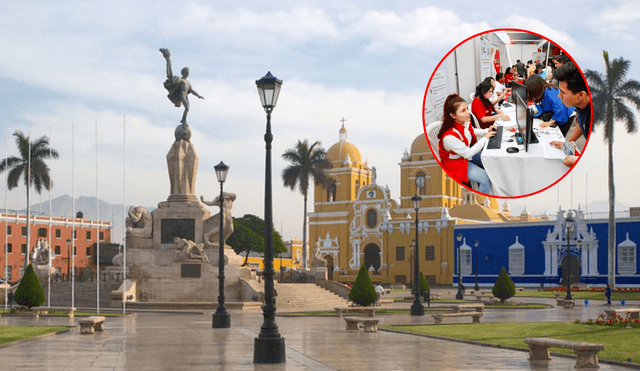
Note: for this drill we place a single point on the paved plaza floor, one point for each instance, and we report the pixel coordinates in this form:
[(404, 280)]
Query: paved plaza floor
[(186, 341)]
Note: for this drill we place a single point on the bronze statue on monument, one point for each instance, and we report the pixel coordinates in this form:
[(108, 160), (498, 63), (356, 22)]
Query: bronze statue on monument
[(179, 89)]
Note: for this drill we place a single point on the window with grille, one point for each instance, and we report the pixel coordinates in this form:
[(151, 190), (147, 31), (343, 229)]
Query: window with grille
[(57, 250), (58, 233), (465, 261), (430, 253), (9, 248), (627, 259), (42, 232), (516, 260), (399, 253), (88, 235)]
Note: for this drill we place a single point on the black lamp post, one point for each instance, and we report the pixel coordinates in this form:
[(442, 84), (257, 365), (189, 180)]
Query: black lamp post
[(459, 295), (221, 318), (269, 345), (416, 308), (569, 223), (476, 287)]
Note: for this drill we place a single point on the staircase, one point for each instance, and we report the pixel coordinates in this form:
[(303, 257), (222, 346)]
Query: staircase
[(85, 294), (306, 296)]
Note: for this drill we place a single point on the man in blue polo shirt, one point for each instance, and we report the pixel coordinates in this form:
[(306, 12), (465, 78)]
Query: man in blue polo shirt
[(573, 92)]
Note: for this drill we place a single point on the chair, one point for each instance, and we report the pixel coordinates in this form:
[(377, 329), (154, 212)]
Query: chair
[(432, 133), (474, 121)]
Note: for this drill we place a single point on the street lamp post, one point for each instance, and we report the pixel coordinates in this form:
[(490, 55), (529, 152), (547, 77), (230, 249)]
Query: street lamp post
[(459, 295), (221, 318), (476, 287), (416, 308), (269, 345), (569, 223)]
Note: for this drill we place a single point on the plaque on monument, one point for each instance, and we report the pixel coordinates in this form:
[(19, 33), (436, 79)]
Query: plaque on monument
[(172, 228), (190, 271)]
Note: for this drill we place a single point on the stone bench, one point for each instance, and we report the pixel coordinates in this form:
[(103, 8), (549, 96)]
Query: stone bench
[(632, 312), (370, 324), (369, 311), (439, 317), (45, 310), (461, 307), (587, 353), (91, 324)]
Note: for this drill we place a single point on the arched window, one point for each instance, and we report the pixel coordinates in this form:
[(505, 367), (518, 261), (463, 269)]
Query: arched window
[(421, 183), (331, 192), (372, 218)]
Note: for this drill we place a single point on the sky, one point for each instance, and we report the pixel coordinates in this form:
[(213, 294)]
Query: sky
[(71, 66)]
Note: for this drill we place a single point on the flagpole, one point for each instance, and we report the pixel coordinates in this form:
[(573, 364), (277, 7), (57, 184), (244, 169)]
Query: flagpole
[(124, 217), (97, 227), (73, 216), (49, 233), (6, 223), (26, 255)]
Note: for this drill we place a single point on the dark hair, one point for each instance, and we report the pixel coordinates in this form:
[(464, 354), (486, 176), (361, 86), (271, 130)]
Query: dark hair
[(508, 70), (518, 61), (499, 75), (539, 67), (482, 88), (451, 105), (570, 74), (536, 87), (563, 59)]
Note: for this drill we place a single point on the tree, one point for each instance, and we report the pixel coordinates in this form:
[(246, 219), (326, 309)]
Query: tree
[(29, 292), (504, 287), (248, 235), (363, 293), (36, 175), (609, 93), (306, 162), (424, 286)]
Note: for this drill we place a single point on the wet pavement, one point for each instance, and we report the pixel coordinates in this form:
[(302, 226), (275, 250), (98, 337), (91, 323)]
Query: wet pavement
[(186, 341)]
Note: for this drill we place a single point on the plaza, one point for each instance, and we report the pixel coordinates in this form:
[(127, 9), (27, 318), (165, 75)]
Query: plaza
[(184, 340)]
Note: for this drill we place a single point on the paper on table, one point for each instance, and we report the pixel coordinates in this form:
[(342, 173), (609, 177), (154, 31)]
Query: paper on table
[(551, 152)]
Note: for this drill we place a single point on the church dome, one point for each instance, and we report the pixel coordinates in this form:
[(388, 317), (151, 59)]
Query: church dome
[(420, 146), (343, 150)]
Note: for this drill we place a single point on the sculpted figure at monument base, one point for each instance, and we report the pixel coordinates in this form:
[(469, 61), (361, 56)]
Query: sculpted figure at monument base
[(212, 224)]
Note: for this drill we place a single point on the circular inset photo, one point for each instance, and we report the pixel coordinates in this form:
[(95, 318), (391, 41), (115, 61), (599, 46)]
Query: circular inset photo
[(507, 113)]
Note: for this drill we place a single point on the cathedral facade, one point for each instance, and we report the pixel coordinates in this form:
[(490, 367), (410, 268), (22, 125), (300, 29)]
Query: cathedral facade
[(355, 222)]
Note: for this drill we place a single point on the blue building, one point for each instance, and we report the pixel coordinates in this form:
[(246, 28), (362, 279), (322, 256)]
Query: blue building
[(534, 250)]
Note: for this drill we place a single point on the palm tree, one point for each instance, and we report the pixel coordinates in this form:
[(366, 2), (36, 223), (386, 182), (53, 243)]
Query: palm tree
[(37, 175), (609, 93), (306, 161)]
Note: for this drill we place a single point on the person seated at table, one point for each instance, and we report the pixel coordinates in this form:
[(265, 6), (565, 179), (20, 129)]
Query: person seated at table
[(459, 146), (498, 95), (550, 108), (508, 77), (482, 107)]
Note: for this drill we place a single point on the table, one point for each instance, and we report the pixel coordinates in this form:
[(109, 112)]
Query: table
[(524, 173)]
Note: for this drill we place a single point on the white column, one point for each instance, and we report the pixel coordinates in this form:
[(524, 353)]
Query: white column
[(547, 261)]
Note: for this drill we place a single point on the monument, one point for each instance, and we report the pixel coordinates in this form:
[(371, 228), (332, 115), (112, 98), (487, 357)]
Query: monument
[(172, 251)]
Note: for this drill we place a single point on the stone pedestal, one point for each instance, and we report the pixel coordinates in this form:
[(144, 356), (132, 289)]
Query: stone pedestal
[(178, 219), (182, 162)]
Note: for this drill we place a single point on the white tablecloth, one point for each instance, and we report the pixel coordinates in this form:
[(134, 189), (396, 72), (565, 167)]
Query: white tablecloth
[(524, 173)]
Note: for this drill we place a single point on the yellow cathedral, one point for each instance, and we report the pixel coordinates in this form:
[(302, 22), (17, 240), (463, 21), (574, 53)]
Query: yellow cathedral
[(355, 222)]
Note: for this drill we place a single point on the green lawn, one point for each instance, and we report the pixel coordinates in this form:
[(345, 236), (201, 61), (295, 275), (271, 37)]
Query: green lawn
[(9, 334), (582, 295), (620, 343)]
